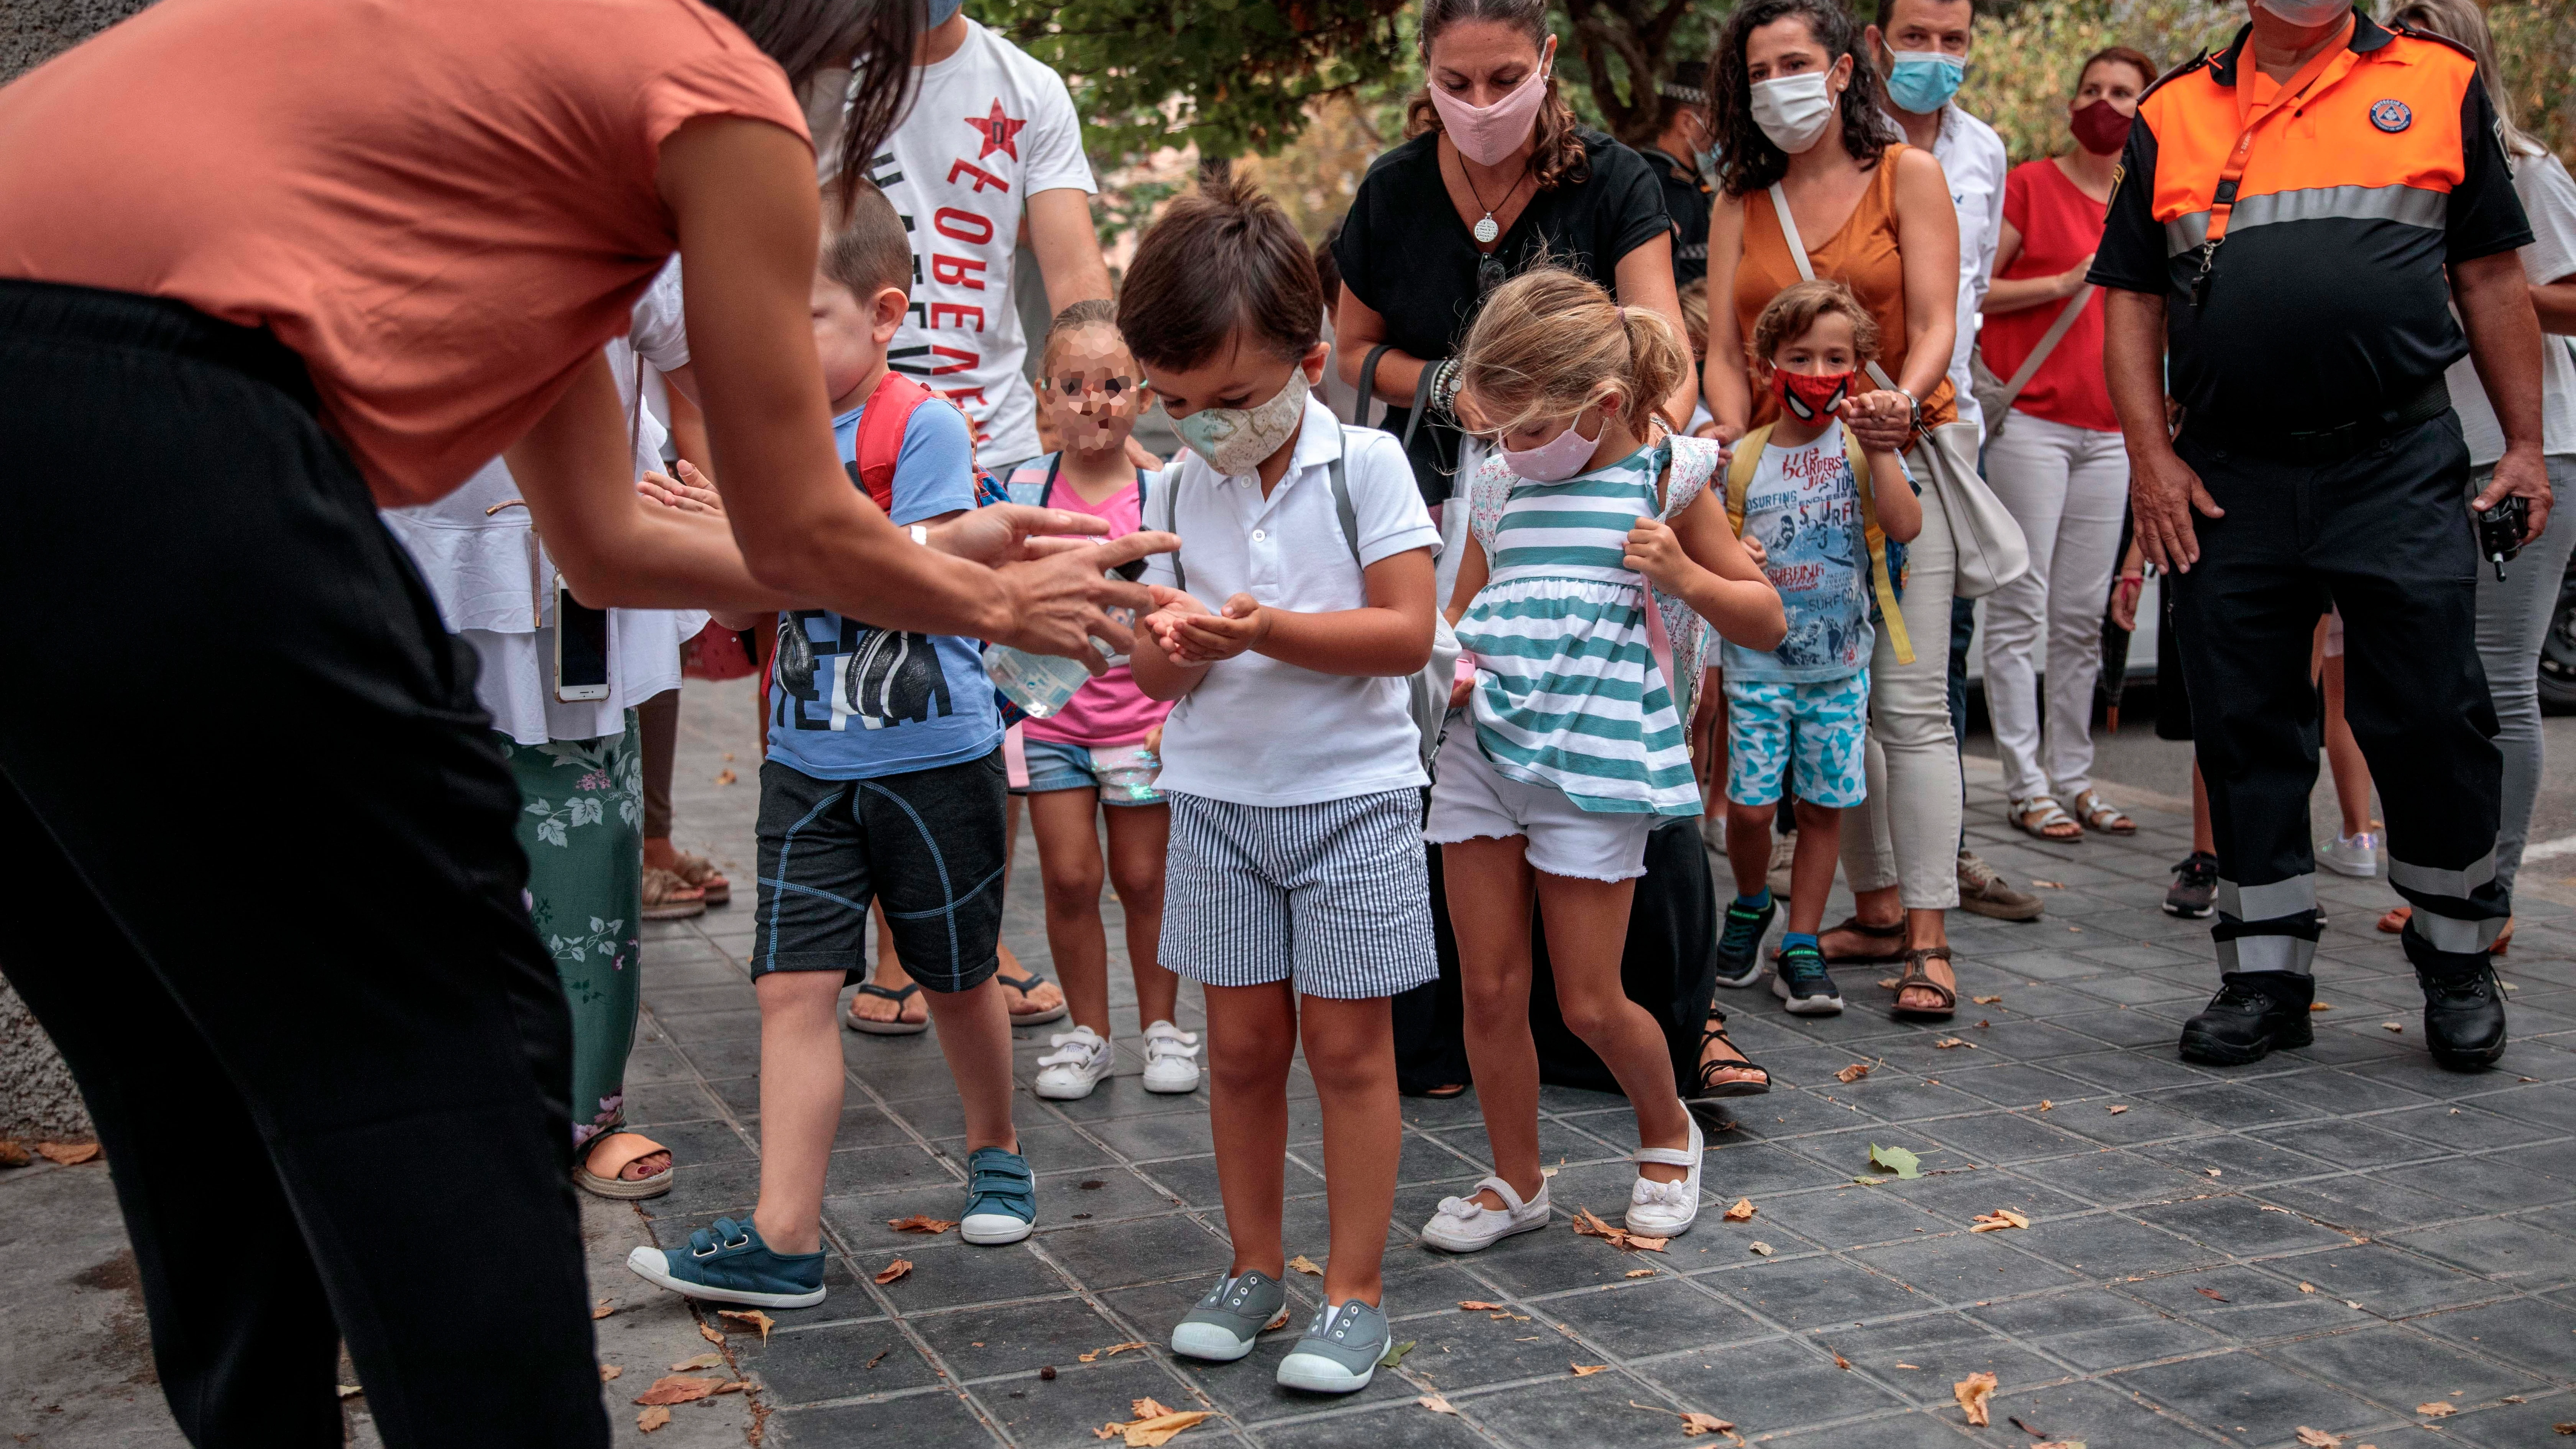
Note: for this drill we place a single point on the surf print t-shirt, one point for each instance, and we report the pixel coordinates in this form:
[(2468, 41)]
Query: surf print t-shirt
[(1803, 506)]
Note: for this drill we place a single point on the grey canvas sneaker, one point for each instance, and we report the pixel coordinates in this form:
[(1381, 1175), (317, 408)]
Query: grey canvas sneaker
[(1222, 1328), (1340, 1359)]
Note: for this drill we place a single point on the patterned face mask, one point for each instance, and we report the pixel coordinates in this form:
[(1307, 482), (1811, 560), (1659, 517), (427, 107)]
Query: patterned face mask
[(1236, 440), (1810, 397)]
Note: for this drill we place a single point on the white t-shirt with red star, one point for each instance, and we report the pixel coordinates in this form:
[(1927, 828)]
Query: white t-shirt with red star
[(989, 127)]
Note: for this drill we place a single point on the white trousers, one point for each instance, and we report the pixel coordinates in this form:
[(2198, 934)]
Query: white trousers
[(2067, 487), (1907, 833)]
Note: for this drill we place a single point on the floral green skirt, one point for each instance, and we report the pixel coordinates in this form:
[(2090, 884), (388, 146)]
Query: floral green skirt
[(582, 826)]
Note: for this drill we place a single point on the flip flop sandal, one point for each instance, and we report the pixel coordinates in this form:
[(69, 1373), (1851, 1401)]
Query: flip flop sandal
[(896, 1027), (2396, 919), (2095, 813), (701, 872), (607, 1155), (1915, 976), (669, 898), (1708, 1088), (1442, 1093), (1024, 985), (1893, 931), (2050, 813)]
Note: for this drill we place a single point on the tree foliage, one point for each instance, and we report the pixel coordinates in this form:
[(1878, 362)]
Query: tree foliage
[(1625, 48)]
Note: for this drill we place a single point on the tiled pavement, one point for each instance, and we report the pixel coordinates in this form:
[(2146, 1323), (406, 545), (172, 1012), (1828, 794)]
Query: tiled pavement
[(2326, 1240)]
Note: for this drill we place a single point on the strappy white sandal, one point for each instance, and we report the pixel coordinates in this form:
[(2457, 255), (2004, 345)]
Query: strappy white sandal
[(2051, 815), (1463, 1225), (1667, 1209)]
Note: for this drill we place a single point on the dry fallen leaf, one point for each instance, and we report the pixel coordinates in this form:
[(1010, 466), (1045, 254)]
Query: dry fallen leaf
[(1153, 1424), (1985, 1000), (1112, 1351), (652, 1418), (1639, 1273), (921, 1223), (1743, 1209), (1915, 1366), (704, 1360), (2437, 1409), (2079, 1444), (677, 1389), (1587, 1370), (1589, 1224), (1998, 1220), (736, 1386), (2210, 1293), (754, 1318), (2115, 1111), (607, 1371), (1706, 1424), (2212, 1171), (2049, 885), (2046, 1105), (1972, 1393), (1759, 1246), (2320, 1006), (602, 1309), (726, 777), (1840, 1362), (1947, 1042), (1435, 1404), (709, 1334), (68, 1154), (1477, 1305), (2392, 1026), (2318, 1438), (2307, 1287), (893, 1271), (351, 1391), (1852, 1073), (13, 1155), (1305, 1265)]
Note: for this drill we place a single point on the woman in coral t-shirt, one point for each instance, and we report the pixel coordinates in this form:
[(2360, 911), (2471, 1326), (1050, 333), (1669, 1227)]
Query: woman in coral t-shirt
[(264, 266), (2055, 459)]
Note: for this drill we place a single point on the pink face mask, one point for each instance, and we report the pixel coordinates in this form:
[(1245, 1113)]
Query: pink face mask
[(1560, 457), (1487, 135)]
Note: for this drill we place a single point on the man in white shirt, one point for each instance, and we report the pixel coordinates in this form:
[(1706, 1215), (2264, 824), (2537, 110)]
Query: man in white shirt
[(1921, 47)]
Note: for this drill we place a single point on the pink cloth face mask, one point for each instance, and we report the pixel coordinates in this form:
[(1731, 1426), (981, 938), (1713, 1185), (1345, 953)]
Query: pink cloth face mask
[(1560, 457), (1488, 135)]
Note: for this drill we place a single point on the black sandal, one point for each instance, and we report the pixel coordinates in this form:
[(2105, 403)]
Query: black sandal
[(1024, 985), (896, 1027), (1708, 1088), (1893, 932), (1915, 976)]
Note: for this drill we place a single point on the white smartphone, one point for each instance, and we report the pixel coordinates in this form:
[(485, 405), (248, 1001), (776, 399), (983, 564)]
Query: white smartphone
[(581, 648)]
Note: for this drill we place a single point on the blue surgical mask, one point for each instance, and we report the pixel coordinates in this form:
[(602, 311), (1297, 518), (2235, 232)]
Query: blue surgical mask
[(1706, 160), (1922, 81), (940, 11)]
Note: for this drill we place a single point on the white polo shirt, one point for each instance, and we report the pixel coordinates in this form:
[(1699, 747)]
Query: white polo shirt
[(1256, 731)]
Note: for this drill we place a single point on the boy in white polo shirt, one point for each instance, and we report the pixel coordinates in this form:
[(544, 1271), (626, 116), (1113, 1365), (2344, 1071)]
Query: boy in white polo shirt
[(1295, 890)]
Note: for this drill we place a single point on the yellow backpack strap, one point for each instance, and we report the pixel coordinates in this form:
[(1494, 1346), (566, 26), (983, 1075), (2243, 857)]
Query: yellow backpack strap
[(1881, 581), (1740, 471)]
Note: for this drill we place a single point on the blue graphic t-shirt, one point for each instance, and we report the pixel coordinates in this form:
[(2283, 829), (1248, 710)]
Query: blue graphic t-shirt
[(883, 702), (1803, 506)]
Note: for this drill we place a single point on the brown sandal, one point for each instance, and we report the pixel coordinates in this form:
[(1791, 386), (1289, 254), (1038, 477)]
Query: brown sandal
[(1915, 976), (701, 872), (669, 898)]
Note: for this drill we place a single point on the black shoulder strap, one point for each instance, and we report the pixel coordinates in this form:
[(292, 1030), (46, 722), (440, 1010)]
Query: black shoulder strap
[(1046, 491), (1368, 383)]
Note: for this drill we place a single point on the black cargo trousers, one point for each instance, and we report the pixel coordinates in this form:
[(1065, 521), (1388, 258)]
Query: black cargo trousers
[(2377, 530)]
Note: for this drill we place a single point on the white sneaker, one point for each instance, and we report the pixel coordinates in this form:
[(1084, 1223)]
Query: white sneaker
[(2355, 854), (1080, 1059), (1462, 1225), (1171, 1059), (1667, 1209)]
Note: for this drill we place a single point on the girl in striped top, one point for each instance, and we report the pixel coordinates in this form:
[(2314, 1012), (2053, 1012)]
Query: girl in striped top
[(1591, 578)]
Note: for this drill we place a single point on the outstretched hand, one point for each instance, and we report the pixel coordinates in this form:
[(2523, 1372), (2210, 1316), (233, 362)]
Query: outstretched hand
[(1193, 636), (691, 492), (1058, 595)]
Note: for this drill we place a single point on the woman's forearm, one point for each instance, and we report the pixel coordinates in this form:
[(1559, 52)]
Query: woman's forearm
[(2016, 294), (1356, 328)]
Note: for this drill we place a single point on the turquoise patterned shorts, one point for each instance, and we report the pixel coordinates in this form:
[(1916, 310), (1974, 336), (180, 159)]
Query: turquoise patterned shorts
[(1820, 729)]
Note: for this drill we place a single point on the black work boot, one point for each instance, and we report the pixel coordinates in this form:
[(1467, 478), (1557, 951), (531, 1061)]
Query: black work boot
[(2253, 1012), (2463, 1016)]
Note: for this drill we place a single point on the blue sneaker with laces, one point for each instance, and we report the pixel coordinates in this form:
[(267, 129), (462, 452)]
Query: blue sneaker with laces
[(1001, 1197), (1802, 981), (728, 1263), (1739, 944)]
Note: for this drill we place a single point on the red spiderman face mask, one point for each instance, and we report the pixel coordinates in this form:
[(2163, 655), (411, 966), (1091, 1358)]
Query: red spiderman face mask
[(1810, 397)]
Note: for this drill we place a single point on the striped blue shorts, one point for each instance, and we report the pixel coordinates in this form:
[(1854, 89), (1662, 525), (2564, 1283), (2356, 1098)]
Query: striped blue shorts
[(1334, 896)]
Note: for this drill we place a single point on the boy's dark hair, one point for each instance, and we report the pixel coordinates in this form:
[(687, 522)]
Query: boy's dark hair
[(1788, 316), (1223, 264), (1089, 312), (866, 250)]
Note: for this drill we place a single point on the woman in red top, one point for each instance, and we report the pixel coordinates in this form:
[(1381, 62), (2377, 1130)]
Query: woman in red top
[(2054, 457), (265, 265)]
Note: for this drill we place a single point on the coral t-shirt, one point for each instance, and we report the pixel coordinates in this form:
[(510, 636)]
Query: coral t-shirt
[(445, 207), (2059, 227)]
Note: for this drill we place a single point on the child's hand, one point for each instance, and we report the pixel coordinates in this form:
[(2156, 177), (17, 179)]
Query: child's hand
[(1171, 606), (1882, 420), (1654, 550), (1154, 741), (1207, 638), (691, 492), (1754, 550)]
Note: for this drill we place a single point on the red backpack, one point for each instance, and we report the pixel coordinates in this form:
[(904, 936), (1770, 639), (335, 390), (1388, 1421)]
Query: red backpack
[(879, 443)]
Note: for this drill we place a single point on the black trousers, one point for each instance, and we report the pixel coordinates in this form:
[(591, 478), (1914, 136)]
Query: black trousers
[(334, 1107), (2383, 536)]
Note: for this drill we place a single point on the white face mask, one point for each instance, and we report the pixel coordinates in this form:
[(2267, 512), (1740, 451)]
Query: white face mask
[(1793, 109), (2307, 14), (1236, 440)]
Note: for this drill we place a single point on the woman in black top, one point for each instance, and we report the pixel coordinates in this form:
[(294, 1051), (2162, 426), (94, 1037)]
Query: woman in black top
[(1521, 178)]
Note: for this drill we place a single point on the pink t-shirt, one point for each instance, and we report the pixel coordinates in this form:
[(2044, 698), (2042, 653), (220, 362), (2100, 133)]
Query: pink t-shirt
[(1109, 709)]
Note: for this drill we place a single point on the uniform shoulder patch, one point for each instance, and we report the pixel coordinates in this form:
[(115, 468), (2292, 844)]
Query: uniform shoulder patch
[(2391, 115)]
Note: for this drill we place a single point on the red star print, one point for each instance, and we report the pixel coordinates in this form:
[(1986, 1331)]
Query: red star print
[(999, 131)]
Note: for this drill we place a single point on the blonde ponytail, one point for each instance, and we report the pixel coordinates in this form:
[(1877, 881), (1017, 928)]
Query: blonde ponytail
[(1657, 363), (1545, 342)]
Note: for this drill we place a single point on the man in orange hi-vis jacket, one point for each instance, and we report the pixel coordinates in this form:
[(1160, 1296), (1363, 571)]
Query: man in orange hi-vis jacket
[(2295, 221)]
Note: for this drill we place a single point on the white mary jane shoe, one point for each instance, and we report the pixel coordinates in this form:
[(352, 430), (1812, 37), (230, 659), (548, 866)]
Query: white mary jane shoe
[(1667, 1209), (1463, 1225)]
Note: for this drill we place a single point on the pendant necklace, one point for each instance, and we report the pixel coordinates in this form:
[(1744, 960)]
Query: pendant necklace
[(1487, 230)]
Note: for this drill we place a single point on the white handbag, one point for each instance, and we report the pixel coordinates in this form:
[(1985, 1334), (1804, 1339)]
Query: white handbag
[(1991, 549)]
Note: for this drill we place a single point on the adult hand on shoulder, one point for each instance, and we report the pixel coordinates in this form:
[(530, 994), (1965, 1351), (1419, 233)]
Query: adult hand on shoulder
[(2163, 491), (2520, 474)]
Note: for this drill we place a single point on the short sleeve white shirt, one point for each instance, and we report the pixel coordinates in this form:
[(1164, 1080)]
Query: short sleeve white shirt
[(1972, 156), (1257, 731), (2549, 199), (989, 127)]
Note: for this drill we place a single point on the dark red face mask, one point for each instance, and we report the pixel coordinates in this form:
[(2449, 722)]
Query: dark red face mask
[(1809, 397), (2100, 128)]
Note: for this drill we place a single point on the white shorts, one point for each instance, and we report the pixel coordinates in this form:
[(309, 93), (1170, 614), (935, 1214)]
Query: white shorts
[(1473, 800)]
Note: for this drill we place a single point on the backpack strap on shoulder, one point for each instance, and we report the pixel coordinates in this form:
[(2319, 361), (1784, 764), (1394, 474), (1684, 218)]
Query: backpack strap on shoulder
[(1740, 471), (1882, 580), (880, 438)]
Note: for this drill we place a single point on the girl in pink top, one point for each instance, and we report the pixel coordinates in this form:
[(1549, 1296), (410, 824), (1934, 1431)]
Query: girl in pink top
[(1099, 749)]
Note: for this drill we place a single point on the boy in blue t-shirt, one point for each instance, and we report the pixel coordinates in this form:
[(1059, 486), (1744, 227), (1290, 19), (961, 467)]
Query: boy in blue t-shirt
[(884, 781), (1802, 710)]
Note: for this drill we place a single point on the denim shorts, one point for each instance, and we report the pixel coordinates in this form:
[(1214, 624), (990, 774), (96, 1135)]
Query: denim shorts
[(1056, 765), (1816, 733)]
